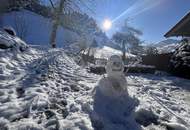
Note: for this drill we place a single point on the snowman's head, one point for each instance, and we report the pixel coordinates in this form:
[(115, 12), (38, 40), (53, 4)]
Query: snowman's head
[(114, 65)]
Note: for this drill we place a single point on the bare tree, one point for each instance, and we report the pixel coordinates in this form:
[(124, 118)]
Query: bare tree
[(58, 11)]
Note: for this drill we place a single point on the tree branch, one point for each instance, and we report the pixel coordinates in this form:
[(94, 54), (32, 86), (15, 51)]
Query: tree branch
[(52, 4)]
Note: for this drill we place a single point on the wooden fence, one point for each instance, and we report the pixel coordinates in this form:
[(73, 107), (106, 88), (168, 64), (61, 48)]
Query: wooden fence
[(160, 61)]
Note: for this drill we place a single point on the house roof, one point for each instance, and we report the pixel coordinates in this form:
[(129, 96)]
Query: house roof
[(182, 28)]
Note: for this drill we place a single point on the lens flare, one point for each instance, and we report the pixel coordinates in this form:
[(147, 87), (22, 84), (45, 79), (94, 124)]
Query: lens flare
[(107, 24)]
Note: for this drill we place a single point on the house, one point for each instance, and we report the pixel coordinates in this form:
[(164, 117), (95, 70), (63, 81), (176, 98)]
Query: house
[(163, 61), (182, 28), (180, 60)]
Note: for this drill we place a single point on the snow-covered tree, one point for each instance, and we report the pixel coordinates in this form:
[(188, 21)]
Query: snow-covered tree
[(151, 50), (9, 5), (59, 8), (127, 38), (80, 23)]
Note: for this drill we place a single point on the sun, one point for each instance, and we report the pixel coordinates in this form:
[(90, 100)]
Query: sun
[(107, 24)]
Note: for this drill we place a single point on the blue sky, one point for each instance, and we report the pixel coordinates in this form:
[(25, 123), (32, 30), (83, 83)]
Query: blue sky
[(153, 17)]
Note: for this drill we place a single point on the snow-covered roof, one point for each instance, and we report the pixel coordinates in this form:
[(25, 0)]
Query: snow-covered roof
[(181, 28)]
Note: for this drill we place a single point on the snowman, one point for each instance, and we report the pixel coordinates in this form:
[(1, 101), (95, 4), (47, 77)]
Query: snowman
[(112, 104), (115, 83)]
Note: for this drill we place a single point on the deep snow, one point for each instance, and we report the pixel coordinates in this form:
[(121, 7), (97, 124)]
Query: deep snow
[(46, 89)]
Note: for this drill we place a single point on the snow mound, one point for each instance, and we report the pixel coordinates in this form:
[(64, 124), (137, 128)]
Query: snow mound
[(9, 41), (174, 126), (10, 30), (146, 117)]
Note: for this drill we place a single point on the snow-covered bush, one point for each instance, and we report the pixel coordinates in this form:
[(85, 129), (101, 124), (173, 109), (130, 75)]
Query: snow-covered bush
[(151, 50), (8, 41), (180, 61)]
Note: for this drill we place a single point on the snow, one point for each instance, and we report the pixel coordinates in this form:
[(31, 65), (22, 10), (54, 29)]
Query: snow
[(38, 28), (45, 89), (106, 51), (12, 41), (145, 116), (175, 126), (167, 46)]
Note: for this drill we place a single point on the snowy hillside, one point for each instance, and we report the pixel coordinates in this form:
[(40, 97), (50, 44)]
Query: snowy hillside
[(47, 90), (37, 28), (106, 51), (167, 46)]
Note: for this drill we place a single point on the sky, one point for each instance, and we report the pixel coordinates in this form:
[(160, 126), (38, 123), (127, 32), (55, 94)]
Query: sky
[(153, 17)]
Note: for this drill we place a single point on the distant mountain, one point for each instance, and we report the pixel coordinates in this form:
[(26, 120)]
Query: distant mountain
[(167, 42), (106, 51), (167, 46)]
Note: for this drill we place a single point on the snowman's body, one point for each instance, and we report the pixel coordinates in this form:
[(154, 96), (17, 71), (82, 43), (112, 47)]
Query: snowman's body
[(115, 83)]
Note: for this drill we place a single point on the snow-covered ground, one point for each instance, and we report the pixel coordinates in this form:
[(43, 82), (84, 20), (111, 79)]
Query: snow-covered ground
[(46, 89)]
